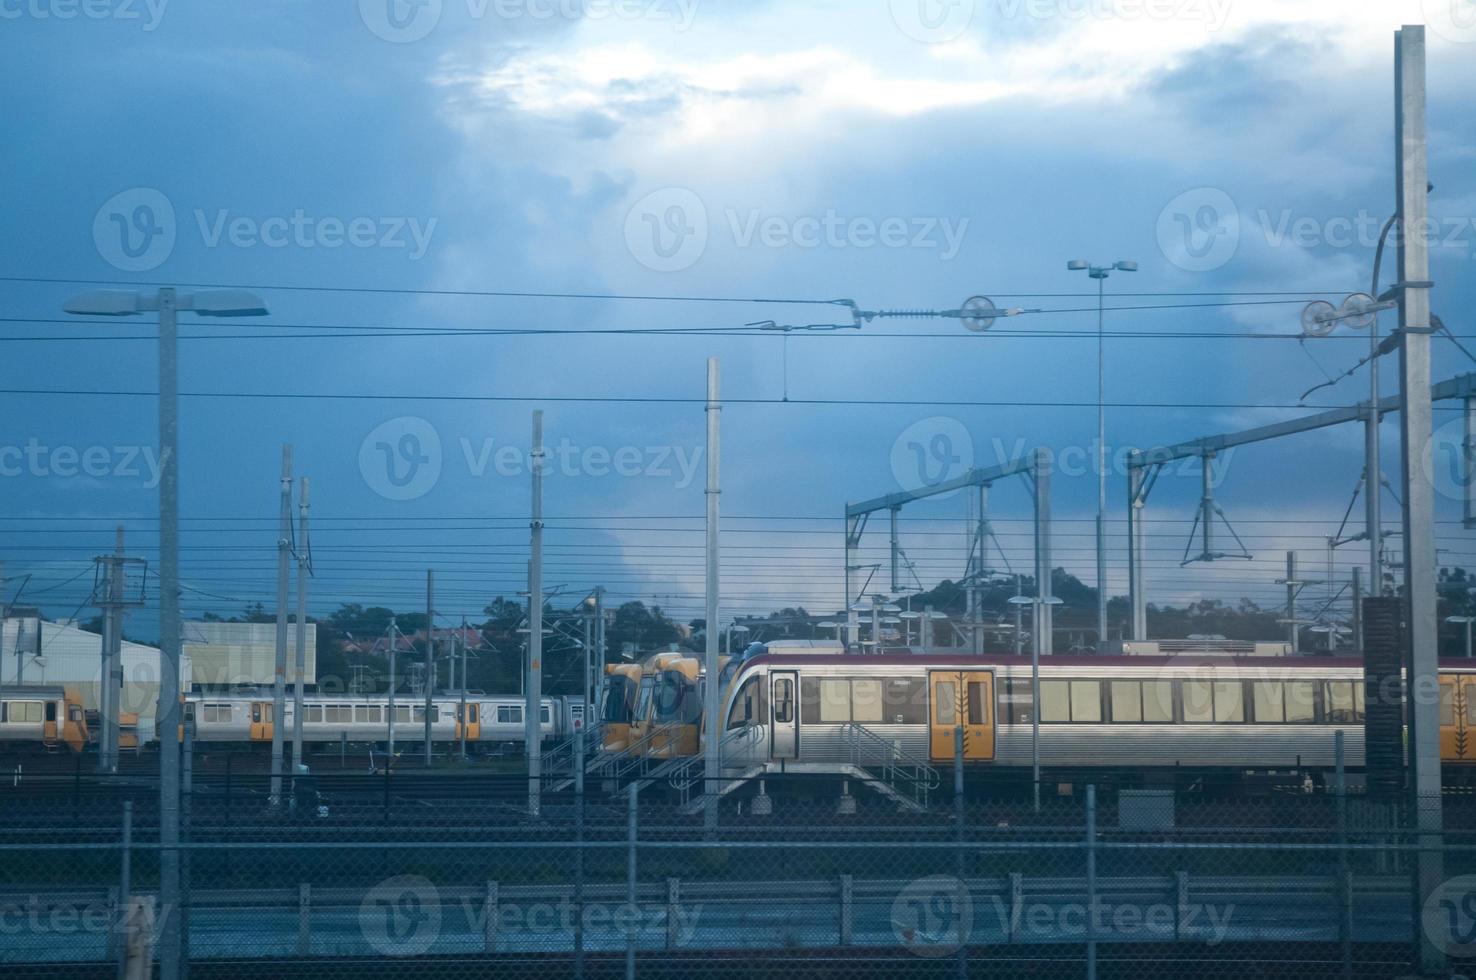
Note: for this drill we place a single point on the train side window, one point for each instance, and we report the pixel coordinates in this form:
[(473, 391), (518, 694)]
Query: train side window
[(1199, 701), (509, 714), (1268, 701), (945, 707), (1339, 698), (1470, 689), (835, 700), (51, 711), (543, 716), (4, 711), (1127, 704), (361, 714), (1158, 702), (1016, 701), (866, 701), (1301, 702), (1055, 701), (906, 700), (1086, 701), (809, 700), (783, 700), (978, 705), (312, 714), (1229, 702)]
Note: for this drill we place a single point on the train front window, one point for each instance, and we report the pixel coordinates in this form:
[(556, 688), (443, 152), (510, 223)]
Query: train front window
[(748, 707), (618, 697), (643, 703), (670, 695)]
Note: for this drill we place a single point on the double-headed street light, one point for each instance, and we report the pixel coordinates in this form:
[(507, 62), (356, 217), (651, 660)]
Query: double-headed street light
[(167, 303), (1100, 273)]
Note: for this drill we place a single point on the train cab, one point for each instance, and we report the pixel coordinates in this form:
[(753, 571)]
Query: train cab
[(622, 687), (655, 717), (676, 709)]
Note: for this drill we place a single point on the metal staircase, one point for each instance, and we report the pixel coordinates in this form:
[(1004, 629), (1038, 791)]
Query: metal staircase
[(886, 768), (692, 771)]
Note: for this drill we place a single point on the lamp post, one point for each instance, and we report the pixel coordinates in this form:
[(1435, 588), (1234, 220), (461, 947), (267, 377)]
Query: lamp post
[(167, 302), (1100, 273), (1036, 602)]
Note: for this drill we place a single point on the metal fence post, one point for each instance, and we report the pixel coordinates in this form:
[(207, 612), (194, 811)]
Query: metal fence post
[(187, 806), (958, 830), (489, 917), (630, 885), (845, 910), (1091, 881), (1345, 884), (673, 899), (125, 884), (1181, 903), (1017, 903), (304, 918), (578, 853)]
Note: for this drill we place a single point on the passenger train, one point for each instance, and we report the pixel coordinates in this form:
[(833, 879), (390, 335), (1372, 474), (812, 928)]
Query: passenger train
[(1129, 713), (490, 721), (806, 710)]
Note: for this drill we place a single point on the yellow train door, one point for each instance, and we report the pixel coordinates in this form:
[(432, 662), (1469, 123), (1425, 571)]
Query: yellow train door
[(1457, 710), (472, 722), (261, 721), (966, 698), (48, 727)]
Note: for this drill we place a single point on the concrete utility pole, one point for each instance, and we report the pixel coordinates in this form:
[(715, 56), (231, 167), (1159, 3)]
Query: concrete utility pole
[(1419, 494), (1044, 617), (390, 636), (461, 727), (430, 656), (167, 303), (303, 571), (711, 762), (169, 631), (279, 677), (534, 688), (110, 695), (1293, 631), (599, 641)]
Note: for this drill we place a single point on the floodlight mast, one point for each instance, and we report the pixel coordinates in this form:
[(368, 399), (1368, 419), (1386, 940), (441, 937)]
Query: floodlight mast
[(1100, 273), (167, 302)]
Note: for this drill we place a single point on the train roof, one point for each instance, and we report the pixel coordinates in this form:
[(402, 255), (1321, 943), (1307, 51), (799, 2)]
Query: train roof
[(929, 660)]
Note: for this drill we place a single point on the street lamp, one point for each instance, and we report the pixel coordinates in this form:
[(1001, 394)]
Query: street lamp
[(1467, 620), (167, 303), (1100, 273), (1035, 602)]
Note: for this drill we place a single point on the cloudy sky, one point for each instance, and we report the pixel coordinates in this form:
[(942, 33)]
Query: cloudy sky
[(459, 211)]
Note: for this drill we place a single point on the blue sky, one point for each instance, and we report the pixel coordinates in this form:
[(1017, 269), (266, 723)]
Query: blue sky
[(904, 155)]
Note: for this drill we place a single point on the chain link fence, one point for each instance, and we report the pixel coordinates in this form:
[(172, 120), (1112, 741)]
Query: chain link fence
[(433, 878)]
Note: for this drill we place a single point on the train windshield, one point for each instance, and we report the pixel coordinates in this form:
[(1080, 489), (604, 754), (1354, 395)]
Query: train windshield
[(643, 703), (619, 697), (673, 698)]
